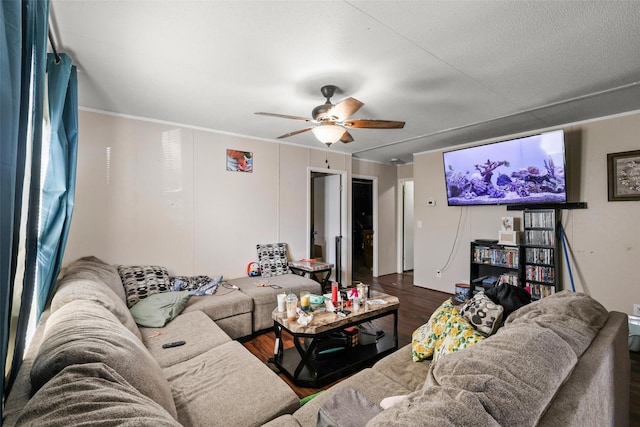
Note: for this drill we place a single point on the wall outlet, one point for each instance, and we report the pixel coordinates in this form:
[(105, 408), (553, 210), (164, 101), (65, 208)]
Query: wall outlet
[(636, 309), (439, 274)]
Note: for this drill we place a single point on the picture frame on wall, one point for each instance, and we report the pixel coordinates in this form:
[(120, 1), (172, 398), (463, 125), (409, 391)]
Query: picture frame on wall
[(239, 161), (623, 174)]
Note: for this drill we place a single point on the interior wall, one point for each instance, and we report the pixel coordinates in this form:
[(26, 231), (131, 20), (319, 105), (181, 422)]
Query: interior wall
[(154, 193), (603, 240)]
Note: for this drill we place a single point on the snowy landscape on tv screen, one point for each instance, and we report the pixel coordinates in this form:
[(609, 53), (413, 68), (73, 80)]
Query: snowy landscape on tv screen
[(527, 170)]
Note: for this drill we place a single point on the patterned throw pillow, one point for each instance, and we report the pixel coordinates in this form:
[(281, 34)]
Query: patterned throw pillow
[(273, 259), (188, 283), (483, 313), (458, 334), (422, 343), (424, 338), (445, 332), (141, 281)]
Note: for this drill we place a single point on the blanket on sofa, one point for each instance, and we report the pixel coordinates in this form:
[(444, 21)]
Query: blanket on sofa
[(491, 383)]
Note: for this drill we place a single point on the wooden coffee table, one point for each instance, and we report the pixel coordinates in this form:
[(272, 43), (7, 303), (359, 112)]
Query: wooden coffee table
[(298, 363)]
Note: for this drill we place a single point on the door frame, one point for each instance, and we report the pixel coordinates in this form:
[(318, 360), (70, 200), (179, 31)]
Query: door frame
[(345, 228), (374, 201), (400, 223)]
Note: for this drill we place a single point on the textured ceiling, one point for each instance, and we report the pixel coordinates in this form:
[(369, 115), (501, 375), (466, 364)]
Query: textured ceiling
[(455, 71)]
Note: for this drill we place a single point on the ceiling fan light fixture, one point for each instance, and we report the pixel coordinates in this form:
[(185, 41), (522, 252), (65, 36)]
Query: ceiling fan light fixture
[(328, 134)]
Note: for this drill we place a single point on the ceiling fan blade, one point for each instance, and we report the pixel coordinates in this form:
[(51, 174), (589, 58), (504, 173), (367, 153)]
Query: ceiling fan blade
[(295, 132), (284, 116), (346, 137), (345, 108), (373, 124)]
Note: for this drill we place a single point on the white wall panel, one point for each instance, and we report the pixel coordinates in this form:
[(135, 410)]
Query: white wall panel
[(151, 193), (134, 195), (234, 211), (293, 199)]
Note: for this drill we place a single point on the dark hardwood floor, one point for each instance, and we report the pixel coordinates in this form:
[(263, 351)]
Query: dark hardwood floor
[(416, 306)]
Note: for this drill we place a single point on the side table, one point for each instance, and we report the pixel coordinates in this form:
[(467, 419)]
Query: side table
[(316, 270)]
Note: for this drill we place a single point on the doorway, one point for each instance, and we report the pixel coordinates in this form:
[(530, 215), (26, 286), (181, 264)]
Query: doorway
[(405, 226), (363, 225), (327, 213)]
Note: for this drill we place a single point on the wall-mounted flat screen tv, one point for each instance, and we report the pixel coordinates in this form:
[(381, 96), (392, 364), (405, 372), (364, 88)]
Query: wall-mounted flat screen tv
[(527, 170)]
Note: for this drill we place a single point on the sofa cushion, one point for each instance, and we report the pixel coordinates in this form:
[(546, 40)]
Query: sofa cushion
[(92, 393), (286, 420), (398, 367), (93, 268), (265, 297), (224, 303), (72, 288), (86, 332), (575, 317), (157, 310), (273, 259), (484, 314), (141, 281), (228, 386), (199, 332)]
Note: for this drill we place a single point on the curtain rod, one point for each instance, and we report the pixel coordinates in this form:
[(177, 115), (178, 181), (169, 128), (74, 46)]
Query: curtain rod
[(53, 47)]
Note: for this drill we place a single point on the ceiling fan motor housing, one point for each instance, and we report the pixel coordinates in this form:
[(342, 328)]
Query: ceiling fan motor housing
[(319, 113)]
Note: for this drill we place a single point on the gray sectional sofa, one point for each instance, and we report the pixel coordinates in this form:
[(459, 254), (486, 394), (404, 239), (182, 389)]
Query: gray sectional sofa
[(89, 360), (561, 361)]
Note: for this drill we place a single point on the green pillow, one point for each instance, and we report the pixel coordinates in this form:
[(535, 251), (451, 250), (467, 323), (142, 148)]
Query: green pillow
[(158, 309)]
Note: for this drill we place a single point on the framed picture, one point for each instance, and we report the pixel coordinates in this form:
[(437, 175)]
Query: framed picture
[(623, 172), (239, 161)]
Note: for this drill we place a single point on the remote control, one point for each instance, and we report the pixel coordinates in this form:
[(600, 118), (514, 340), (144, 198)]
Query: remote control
[(173, 344)]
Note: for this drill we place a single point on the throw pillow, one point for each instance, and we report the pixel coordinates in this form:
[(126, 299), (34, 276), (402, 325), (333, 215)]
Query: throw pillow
[(423, 339), (458, 334), (141, 281), (447, 331), (273, 259), (158, 309), (483, 313), (422, 343)]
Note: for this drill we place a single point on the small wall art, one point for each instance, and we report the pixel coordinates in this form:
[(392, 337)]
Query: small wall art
[(239, 161), (623, 172)]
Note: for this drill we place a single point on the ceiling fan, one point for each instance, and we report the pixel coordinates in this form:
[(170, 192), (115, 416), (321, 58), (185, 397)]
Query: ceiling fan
[(333, 120)]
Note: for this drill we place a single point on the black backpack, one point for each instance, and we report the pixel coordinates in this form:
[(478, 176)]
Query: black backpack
[(509, 297)]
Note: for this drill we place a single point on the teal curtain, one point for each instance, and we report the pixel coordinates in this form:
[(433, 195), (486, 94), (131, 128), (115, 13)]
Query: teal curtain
[(22, 66), (10, 158), (59, 185)]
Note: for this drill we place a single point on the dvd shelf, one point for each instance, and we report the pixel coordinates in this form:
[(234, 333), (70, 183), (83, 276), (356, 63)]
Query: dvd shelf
[(541, 261), (492, 264)]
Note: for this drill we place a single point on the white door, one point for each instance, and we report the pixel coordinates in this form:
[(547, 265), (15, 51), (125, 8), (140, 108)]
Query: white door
[(408, 231), (327, 215)]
